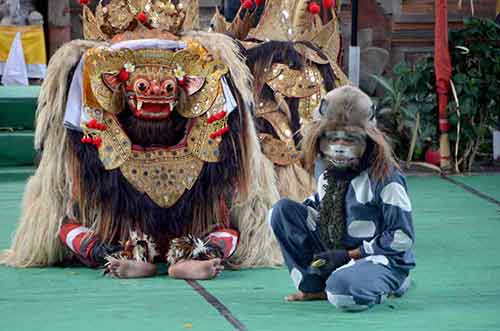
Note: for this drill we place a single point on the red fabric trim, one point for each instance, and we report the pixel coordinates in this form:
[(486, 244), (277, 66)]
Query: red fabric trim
[(77, 242), (90, 247), (442, 60)]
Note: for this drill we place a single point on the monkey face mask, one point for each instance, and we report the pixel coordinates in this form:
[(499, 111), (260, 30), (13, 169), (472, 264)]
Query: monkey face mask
[(343, 149)]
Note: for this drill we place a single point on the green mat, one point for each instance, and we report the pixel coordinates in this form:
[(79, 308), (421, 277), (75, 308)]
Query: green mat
[(18, 106), (456, 283), (489, 185)]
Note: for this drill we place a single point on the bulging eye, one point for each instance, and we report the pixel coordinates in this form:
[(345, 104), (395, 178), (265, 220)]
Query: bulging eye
[(169, 86), (141, 85)]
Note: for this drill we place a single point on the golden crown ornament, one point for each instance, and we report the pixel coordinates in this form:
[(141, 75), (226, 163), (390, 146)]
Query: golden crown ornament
[(115, 17)]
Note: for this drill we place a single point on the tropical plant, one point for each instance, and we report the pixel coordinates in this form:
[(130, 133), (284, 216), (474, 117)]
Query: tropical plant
[(475, 52), (411, 96), (412, 118)]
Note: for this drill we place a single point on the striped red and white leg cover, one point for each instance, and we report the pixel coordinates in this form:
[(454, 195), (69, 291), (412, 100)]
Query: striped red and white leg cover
[(80, 241), (226, 239)]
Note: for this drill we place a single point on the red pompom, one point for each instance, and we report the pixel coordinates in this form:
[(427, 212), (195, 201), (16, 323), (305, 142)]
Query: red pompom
[(124, 75), (92, 124), (97, 141), (142, 17), (86, 140), (216, 117), (328, 4), (314, 8), (182, 82), (248, 4), (259, 2), (84, 2), (220, 133)]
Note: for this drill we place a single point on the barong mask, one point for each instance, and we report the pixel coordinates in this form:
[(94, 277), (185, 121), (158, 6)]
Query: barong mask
[(155, 105), (178, 99)]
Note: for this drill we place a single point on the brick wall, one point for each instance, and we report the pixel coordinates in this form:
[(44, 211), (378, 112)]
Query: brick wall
[(406, 27)]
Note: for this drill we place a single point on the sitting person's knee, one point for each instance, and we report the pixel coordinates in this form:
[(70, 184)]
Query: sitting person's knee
[(278, 214), (339, 283), (345, 302), (342, 290)]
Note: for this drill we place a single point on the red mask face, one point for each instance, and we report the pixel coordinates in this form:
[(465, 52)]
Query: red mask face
[(151, 99), (152, 92)]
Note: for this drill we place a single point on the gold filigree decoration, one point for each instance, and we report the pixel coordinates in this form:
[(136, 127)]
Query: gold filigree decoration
[(280, 124), (291, 21), (341, 78), (118, 16), (239, 27), (310, 54), (164, 174), (294, 83), (309, 104), (116, 146), (306, 85), (90, 32), (279, 152), (199, 141)]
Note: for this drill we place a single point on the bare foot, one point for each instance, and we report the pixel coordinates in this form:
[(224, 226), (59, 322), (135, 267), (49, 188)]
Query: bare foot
[(196, 270), (129, 269), (303, 296)]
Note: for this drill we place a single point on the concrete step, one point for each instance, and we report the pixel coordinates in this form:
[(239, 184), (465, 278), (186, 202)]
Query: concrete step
[(18, 107), (16, 148)]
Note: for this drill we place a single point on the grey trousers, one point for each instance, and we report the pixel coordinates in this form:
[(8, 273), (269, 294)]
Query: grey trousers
[(355, 286)]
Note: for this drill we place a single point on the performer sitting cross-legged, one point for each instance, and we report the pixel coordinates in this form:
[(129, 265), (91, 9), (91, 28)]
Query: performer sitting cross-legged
[(350, 243)]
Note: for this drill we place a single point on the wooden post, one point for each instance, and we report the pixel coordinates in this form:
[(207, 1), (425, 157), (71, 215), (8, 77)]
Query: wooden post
[(59, 23), (354, 51)]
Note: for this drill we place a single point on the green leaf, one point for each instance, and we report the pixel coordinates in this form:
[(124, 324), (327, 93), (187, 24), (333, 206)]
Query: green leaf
[(387, 84)]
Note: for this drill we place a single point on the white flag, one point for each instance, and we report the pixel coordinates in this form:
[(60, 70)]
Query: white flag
[(15, 71)]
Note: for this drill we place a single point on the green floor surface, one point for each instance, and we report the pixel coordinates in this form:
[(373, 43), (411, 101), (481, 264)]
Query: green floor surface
[(489, 185), (456, 283)]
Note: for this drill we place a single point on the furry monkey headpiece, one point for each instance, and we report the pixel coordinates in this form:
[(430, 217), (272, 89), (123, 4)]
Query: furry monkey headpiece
[(344, 122)]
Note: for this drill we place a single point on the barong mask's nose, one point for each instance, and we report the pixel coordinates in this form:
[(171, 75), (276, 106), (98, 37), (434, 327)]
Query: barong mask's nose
[(343, 149)]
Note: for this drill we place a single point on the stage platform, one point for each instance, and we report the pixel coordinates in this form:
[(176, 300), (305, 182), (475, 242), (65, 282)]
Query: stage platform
[(456, 285)]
